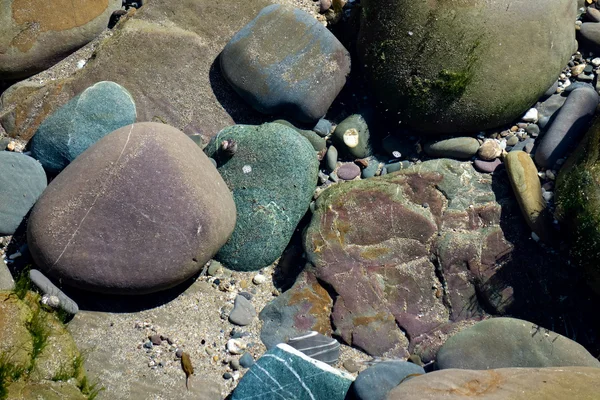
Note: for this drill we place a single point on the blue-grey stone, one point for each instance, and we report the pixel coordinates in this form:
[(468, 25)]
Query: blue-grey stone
[(286, 62), (246, 360), (85, 119), (317, 346), (548, 109), (47, 287), (285, 373), (355, 123), (568, 126), (521, 146), (375, 382), (22, 181), (323, 127), (533, 130), (371, 169), (461, 148), (331, 158), (243, 312)]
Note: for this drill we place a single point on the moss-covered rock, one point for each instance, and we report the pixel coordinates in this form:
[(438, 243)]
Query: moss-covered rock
[(466, 65), (47, 390)]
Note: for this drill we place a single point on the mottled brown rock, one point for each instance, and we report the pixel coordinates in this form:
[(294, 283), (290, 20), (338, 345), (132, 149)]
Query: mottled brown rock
[(140, 211), (579, 383)]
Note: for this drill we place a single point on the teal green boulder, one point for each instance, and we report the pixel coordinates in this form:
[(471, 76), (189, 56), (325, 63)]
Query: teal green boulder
[(85, 119), (285, 373), (272, 174), (578, 204), (463, 65)]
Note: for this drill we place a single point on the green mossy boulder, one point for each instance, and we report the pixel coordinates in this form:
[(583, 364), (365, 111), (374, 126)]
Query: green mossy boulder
[(465, 65)]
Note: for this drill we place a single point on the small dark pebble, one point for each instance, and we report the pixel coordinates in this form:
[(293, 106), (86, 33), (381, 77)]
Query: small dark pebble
[(246, 360), (148, 344), (227, 375), (217, 281), (155, 339), (178, 353)]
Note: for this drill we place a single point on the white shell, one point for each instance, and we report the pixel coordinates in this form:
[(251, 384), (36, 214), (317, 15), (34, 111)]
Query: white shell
[(351, 138)]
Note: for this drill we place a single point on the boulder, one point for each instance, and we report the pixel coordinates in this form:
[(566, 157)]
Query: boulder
[(35, 34), (510, 342), (22, 181), (286, 62), (89, 116), (503, 384), (372, 242), (273, 176), (450, 67), (140, 211)]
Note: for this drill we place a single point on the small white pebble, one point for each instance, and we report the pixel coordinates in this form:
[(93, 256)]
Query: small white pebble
[(531, 115), (235, 346), (80, 64), (550, 175), (351, 138), (596, 62), (535, 237), (259, 279), (542, 174), (246, 169)]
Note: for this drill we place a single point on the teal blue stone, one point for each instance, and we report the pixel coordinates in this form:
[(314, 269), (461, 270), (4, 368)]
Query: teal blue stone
[(273, 176), (285, 373), (317, 141), (85, 119)]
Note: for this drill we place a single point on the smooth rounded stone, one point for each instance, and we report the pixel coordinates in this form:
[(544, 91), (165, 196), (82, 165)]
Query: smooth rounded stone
[(489, 150), (430, 66), (375, 382), (215, 268), (317, 346), (48, 288), (7, 282), (299, 78), (510, 342), (35, 35), (235, 346), (167, 210), (331, 158), (22, 181), (273, 176), (259, 279), (512, 140), (317, 141), (487, 166), (88, 117), (592, 14), (502, 384), (525, 145), (323, 127), (351, 366), (348, 171), (530, 116), (246, 360), (284, 372), (568, 127), (461, 148), (590, 35), (548, 109), (533, 130), (371, 169), (243, 312), (523, 176), (352, 136)]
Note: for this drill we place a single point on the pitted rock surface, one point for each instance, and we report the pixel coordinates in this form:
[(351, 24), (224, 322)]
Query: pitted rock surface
[(409, 255)]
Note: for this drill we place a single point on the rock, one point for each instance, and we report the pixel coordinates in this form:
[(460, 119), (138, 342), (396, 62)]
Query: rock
[(461, 148), (568, 126), (331, 158), (533, 130), (525, 182), (317, 346), (323, 127), (549, 108), (88, 117), (165, 56), (592, 14), (22, 181), (431, 66), (510, 342), (33, 36), (7, 283), (371, 170), (259, 279), (215, 268), (286, 372), (299, 309), (167, 210), (48, 288), (374, 383), (526, 146), (235, 346), (589, 33), (299, 78), (246, 360), (348, 171), (489, 150), (371, 241), (317, 141), (243, 312), (352, 136), (487, 166), (15, 338), (502, 384), (577, 202), (47, 390), (531, 115), (268, 211)]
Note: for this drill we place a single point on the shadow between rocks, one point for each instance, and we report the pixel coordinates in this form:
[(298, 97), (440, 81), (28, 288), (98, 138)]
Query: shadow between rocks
[(548, 290)]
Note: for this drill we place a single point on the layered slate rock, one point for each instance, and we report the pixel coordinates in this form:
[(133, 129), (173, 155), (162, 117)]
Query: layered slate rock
[(22, 181), (578, 204), (34, 34), (166, 57), (511, 342), (284, 372), (374, 243), (99, 110), (502, 384), (140, 211), (286, 62), (447, 67), (317, 346), (272, 175)]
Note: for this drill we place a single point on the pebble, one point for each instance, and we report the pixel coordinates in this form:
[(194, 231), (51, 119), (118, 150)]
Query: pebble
[(348, 171), (375, 382), (47, 287), (331, 158), (227, 375), (596, 62), (351, 366), (489, 150), (243, 312), (512, 140), (531, 115), (234, 364), (323, 127), (246, 360), (235, 346), (487, 166), (178, 353), (148, 344), (155, 339), (259, 279), (371, 170), (462, 148), (533, 130), (576, 70)]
